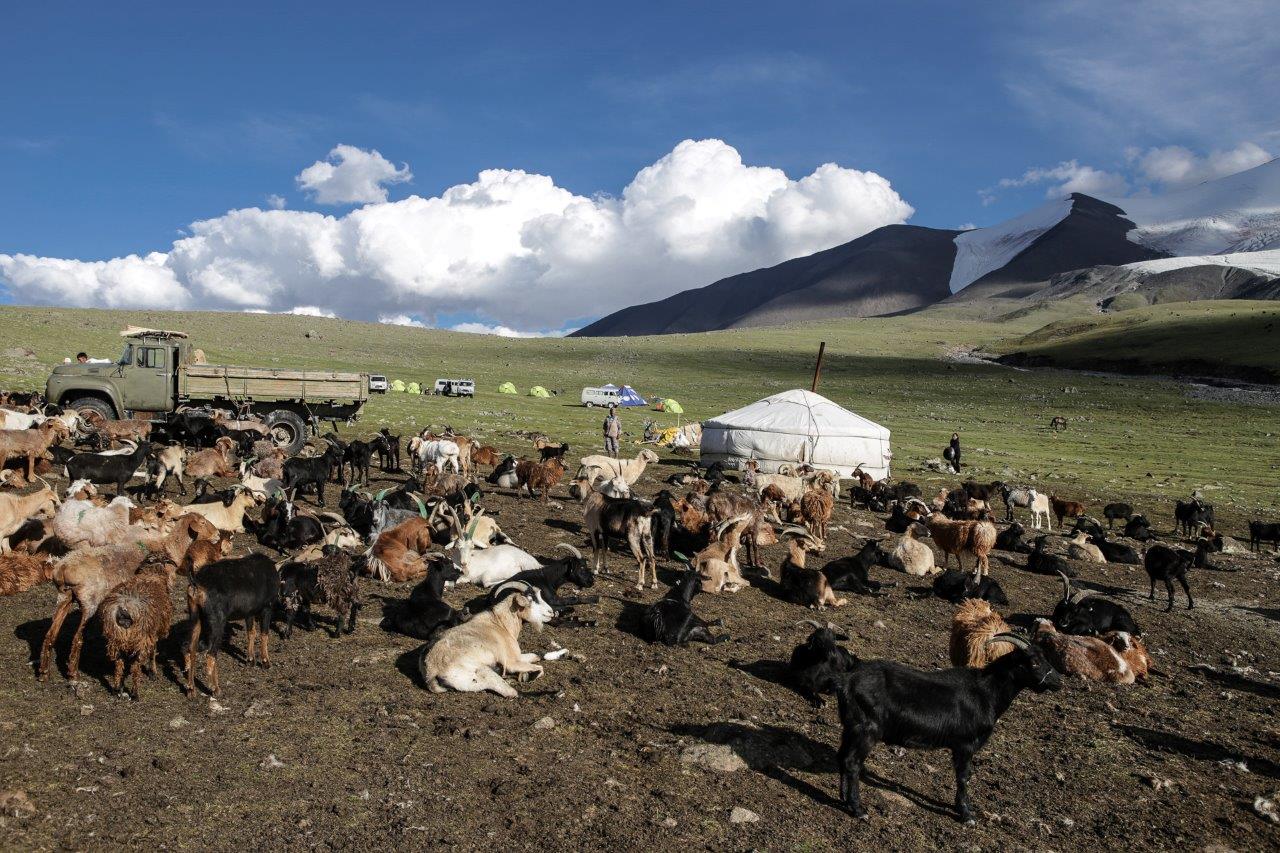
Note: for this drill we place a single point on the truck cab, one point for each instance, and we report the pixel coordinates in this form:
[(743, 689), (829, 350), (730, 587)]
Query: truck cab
[(142, 379)]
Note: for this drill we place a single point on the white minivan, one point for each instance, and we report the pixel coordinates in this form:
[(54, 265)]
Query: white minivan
[(456, 387), (378, 383), (600, 397)]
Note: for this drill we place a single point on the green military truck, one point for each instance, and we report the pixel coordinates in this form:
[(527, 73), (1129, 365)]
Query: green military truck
[(160, 373)]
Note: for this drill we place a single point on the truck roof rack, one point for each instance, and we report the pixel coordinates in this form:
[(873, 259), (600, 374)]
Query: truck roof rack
[(140, 332)]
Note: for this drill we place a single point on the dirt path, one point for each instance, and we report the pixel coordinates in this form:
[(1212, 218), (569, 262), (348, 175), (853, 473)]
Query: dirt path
[(625, 744)]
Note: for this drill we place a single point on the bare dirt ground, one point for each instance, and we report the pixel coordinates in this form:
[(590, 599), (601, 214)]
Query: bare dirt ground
[(624, 744)]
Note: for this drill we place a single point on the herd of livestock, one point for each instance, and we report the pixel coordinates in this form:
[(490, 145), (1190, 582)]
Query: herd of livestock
[(148, 502)]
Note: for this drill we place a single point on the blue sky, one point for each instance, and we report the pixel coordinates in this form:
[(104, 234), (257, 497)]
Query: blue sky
[(124, 123)]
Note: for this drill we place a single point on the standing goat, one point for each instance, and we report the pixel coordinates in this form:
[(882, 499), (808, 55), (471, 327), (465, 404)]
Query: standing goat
[(136, 616)]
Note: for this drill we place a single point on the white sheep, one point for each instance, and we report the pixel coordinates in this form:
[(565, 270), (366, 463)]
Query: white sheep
[(594, 467), (83, 524)]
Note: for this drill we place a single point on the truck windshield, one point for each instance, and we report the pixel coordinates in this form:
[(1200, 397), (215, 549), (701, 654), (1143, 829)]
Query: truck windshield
[(127, 356)]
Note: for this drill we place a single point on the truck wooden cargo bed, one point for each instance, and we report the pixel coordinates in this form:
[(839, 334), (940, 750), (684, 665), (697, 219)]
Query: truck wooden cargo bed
[(208, 381)]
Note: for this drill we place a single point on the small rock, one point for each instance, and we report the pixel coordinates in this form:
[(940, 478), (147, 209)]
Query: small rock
[(257, 709), (271, 762), (545, 723), (16, 803), (86, 710), (216, 707), (713, 756), (878, 624), (741, 815), (670, 822), (177, 723)]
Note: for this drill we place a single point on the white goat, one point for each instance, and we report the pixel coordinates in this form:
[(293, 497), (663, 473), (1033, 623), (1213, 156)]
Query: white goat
[(1039, 507), (10, 419), (83, 524), (490, 566), (594, 467), (439, 452), (468, 656)]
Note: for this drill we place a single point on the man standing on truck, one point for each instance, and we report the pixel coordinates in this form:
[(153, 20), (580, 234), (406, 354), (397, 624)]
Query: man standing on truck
[(612, 432)]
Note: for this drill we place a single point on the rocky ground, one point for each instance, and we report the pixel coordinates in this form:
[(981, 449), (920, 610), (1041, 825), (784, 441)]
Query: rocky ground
[(622, 743)]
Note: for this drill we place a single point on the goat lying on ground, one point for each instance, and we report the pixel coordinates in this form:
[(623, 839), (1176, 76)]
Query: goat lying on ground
[(1080, 548), (717, 564), (1116, 552), (245, 588), (670, 620), (955, 709), (819, 662), (956, 586), (550, 576), (1010, 539), (974, 627), (1138, 528), (1113, 658), (425, 613), (466, 656), (329, 580), (852, 574), (912, 556), (20, 572), (1086, 613), (1041, 562), (136, 616), (803, 585)]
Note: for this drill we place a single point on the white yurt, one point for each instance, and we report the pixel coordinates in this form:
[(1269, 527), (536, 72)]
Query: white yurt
[(797, 426)]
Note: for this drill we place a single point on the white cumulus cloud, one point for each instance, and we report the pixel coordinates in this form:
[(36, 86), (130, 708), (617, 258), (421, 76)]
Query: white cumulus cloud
[(351, 175), (1062, 180), (511, 249), (1175, 166)]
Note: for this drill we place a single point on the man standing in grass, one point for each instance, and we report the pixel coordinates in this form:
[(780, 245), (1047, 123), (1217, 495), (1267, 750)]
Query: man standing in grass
[(612, 432)]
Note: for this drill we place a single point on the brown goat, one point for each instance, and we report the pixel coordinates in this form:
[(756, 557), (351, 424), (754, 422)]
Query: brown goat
[(396, 556), (136, 616), (1066, 509), (815, 510), (30, 443), (483, 454), (217, 461), (113, 431), (972, 626), (959, 537), (20, 572), (539, 476), (1114, 657)]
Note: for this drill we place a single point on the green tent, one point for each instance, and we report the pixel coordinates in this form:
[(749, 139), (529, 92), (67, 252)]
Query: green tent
[(539, 391), (507, 388), (672, 406), (397, 385), (414, 388)]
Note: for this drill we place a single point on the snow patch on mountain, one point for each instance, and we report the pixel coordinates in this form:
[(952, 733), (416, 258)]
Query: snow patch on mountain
[(1263, 263), (1238, 213), (985, 250)]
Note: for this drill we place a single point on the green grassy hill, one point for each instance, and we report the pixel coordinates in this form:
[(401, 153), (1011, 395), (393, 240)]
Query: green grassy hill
[(1235, 338), (1128, 437)]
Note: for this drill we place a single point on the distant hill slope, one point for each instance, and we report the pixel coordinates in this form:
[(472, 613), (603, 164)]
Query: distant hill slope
[(1233, 339)]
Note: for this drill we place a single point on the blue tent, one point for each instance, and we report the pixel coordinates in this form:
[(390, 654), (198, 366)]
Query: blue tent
[(628, 397)]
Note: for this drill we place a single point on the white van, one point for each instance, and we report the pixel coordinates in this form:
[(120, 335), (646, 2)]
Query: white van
[(455, 387), (600, 396), (378, 383)]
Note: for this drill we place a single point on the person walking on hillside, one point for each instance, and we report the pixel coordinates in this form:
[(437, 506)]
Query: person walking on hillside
[(953, 452), (612, 432)]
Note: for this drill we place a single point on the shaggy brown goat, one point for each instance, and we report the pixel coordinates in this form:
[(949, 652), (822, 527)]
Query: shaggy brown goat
[(815, 510), (20, 572), (136, 616), (959, 537), (973, 625), (85, 577)]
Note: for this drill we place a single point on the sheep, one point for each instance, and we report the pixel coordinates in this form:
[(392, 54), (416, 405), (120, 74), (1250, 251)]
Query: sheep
[(84, 578), (328, 580), (1080, 548), (425, 613), (228, 519), (490, 566), (717, 564), (956, 586), (540, 476), (17, 510), (396, 555), (671, 621), (805, 586), (1166, 564), (628, 469), (1065, 509), (815, 508), (268, 461), (245, 588), (1040, 509), (605, 517), (958, 537), (956, 709), (20, 572), (107, 468), (1113, 658), (136, 616), (819, 662), (1261, 533), (973, 625), (81, 524), (31, 444), (466, 656), (912, 556), (1086, 613)]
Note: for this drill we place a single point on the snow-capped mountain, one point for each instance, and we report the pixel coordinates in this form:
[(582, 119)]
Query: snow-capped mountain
[(1206, 231)]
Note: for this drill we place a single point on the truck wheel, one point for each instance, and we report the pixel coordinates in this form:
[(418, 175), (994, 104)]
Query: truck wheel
[(288, 432), (99, 407)]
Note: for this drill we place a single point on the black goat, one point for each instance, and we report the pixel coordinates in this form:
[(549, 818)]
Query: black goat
[(663, 522), (982, 491), (898, 520), (818, 661), (1117, 552), (956, 586), (1139, 528), (425, 613), (284, 529), (1089, 526), (329, 580), (357, 456), (1085, 613), (850, 574), (206, 494), (552, 452), (303, 471), (194, 429), (1041, 562), (1114, 511), (1191, 515), (245, 588), (101, 470), (1261, 532), (388, 449), (1010, 539), (955, 709), (358, 511), (504, 473), (887, 491), (554, 574), (671, 620), (1167, 564)]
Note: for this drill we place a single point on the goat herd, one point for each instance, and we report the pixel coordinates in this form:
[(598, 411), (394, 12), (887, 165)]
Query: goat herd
[(119, 559)]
